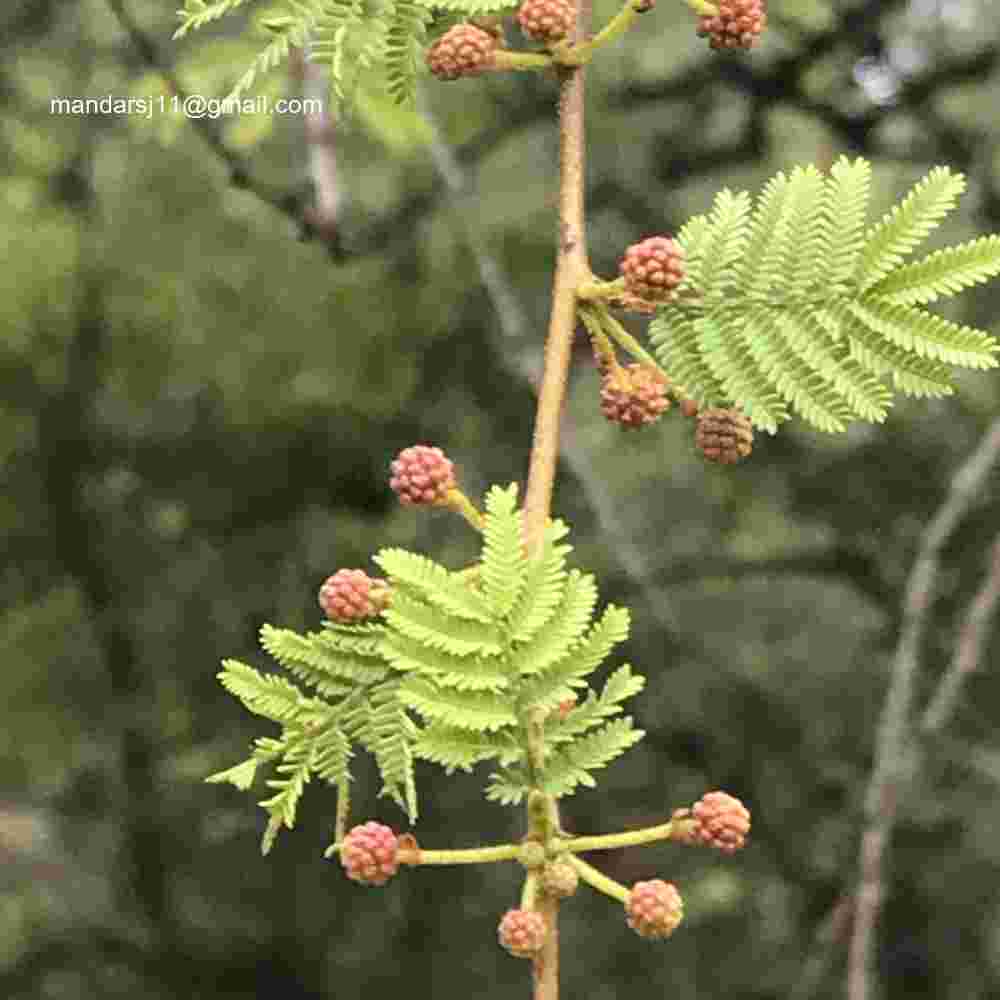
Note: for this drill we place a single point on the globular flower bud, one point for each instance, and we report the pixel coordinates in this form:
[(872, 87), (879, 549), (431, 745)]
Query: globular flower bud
[(654, 909), (368, 854), (546, 20), (559, 879), (351, 595), (634, 397), (653, 268), (422, 475), (522, 933), (724, 436), (463, 50), (721, 821), (738, 24)]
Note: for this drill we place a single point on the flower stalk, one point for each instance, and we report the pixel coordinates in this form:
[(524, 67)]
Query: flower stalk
[(674, 830), (599, 880)]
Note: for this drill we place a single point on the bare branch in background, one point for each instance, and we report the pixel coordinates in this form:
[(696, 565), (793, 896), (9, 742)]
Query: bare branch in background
[(891, 768), (323, 216), (885, 787), (972, 639)]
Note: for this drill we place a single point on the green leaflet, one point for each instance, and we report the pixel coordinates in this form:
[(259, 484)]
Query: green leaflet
[(547, 688), (455, 748), (270, 696), (792, 306), (620, 685), (434, 584), (544, 579), (907, 224), (313, 662), (428, 625), (941, 274), (293, 776), (389, 734), (566, 624), (572, 763), (476, 710), (198, 13), (503, 565)]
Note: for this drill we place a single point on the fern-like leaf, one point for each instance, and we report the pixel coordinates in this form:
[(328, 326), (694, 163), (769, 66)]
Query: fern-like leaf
[(544, 582), (546, 689), (471, 673), (305, 659), (693, 237), (725, 241), (571, 765), (197, 13), (434, 584), (926, 335), (292, 33), (941, 274), (567, 625), (508, 787), (389, 734), (620, 685), (481, 711), (269, 696), (455, 748), (907, 225), (818, 312), (241, 775), (438, 630), (404, 40), (503, 565), (848, 189), (294, 775), (675, 336)]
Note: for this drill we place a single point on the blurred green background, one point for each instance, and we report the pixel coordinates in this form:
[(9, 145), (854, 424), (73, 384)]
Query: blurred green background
[(201, 391)]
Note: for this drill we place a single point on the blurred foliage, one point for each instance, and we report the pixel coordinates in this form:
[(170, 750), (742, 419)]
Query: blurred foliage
[(197, 412)]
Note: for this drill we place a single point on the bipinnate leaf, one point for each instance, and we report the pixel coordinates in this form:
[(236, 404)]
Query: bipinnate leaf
[(793, 307), (475, 656)]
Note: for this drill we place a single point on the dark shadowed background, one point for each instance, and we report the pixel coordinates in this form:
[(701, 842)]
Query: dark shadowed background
[(203, 379)]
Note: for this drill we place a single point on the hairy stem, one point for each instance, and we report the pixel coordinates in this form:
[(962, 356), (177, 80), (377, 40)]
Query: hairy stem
[(572, 268)]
